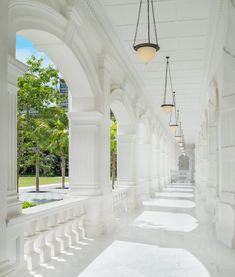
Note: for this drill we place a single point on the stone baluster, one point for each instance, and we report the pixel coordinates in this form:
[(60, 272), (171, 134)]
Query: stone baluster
[(40, 242), (51, 237), (60, 232), (31, 256)]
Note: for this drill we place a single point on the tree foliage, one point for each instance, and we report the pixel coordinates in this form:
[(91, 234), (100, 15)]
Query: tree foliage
[(38, 97), (113, 147)]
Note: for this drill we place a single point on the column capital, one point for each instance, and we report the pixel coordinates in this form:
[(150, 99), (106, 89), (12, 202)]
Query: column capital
[(126, 137), (85, 118)]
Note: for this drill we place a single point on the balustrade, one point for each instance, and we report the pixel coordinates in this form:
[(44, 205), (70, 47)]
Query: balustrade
[(120, 199), (50, 229)]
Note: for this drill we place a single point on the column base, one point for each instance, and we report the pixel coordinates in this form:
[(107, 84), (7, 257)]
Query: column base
[(143, 189), (6, 269), (85, 190), (13, 205), (154, 187), (211, 201), (125, 184), (99, 216), (133, 197)]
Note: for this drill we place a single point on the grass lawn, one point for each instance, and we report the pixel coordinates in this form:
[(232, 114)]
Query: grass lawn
[(30, 181)]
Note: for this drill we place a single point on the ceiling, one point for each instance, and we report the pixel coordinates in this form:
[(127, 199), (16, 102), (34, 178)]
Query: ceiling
[(182, 27)]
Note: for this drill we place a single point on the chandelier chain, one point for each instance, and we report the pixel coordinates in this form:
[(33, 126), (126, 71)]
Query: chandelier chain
[(166, 77), (138, 21), (154, 22), (148, 21)]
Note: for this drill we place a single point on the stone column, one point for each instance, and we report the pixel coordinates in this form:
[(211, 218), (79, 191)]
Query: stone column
[(154, 169), (126, 160), (5, 138), (212, 167), (204, 160), (167, 161), (90, 158), (84, 153), (126, 167), (15, 69), (162, 166), (143, 168), (225, 226)]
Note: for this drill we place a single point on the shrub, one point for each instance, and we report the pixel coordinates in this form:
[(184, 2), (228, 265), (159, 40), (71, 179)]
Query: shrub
[(27, 204)]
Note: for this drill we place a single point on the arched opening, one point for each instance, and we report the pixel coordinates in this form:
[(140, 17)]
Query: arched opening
[(64, 59), (124, 132), (183, 163), (42, 127), (72, 75), (113, 148)]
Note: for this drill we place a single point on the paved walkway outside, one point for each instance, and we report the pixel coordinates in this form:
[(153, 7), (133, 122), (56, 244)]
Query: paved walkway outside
[(171, 236), (48, 193)]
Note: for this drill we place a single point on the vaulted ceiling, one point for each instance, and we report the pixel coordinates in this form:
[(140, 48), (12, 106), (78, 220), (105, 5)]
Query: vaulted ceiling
[(183, 34)]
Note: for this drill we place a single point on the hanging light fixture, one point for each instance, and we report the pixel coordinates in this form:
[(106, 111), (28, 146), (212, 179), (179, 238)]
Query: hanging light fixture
[(166, 106), (147, 51), (178, 135), (173, 124)]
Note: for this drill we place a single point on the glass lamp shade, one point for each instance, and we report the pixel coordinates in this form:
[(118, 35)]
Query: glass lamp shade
[(167, 108), (146, 52), (173, 127), (178, 138)]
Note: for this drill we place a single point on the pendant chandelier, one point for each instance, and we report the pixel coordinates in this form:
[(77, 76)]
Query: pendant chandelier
[(166, 106), (146, 51), (173, 124), (178, 135)]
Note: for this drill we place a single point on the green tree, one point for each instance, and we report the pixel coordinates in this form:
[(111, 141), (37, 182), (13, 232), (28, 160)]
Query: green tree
[(113, 148), (24, 159), (59, 140), (37, 94)]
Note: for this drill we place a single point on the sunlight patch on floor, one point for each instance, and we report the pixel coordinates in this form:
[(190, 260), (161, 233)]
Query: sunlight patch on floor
[(128, 259), (172, 189), (165, 220), (174, 194), (170, 203)]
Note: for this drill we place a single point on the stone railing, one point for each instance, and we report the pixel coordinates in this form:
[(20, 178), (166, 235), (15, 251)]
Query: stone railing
[(47, 230), (120, 201), (50, 229)]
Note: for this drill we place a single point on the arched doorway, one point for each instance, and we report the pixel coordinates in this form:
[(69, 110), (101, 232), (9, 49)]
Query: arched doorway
[(125, 138), (73, 61), (42, 125)]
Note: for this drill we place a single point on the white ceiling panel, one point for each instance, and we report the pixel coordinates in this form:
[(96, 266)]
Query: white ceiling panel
[(182, 27)]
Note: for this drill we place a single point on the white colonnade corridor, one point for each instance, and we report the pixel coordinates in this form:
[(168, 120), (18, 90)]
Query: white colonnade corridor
[(171, 235)]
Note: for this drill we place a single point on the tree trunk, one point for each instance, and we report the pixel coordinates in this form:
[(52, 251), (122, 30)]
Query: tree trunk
[(63, 171), (17, 177), (113, 168), (37, 167)]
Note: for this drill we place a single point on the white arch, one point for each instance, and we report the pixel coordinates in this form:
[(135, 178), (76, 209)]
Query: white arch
[(47, 29), (123, 112)]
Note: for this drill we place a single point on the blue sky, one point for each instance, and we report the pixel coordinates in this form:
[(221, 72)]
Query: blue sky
[(25, 48)]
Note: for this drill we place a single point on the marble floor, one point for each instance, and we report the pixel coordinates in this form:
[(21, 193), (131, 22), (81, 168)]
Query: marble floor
[(171, 236)]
